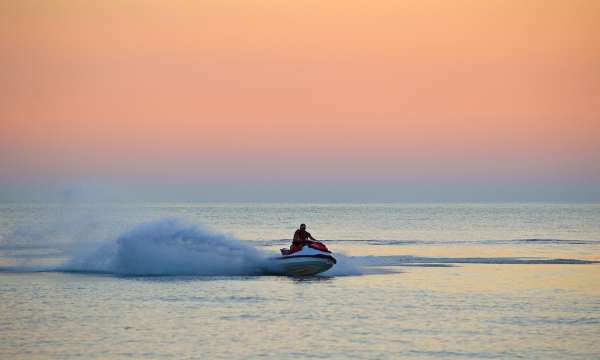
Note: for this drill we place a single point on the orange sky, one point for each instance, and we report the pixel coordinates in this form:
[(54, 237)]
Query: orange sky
[(394, 92)]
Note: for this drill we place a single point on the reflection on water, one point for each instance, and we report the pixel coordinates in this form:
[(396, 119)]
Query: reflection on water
[(472, 310)]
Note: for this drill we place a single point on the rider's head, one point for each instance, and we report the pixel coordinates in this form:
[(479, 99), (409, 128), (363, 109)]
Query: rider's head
[(302, 226)]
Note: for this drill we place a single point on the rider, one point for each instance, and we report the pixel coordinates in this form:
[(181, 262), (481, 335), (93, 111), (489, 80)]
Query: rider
[(301, 237)]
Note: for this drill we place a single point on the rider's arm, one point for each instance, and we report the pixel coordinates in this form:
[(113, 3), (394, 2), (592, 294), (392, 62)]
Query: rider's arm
[(296, 238), (311, 237)]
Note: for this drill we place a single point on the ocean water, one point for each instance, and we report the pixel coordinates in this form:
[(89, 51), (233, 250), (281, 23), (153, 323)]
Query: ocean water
[(413, 281)]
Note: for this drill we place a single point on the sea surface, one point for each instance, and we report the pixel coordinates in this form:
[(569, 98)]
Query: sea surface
[(413, 281)]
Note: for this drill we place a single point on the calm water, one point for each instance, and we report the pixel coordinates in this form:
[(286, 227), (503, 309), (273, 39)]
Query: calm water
[(447, 281)]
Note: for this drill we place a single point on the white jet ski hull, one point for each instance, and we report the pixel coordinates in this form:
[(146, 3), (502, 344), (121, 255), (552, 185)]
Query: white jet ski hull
[(305, 262)]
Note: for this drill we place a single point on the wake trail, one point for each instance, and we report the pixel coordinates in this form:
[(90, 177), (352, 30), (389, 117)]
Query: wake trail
[(170, 247), (407, 260)]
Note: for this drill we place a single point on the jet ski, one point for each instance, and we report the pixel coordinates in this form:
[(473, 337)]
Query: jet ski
[(313, 258)]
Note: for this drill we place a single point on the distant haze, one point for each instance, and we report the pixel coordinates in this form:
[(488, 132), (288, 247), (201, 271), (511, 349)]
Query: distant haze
[(300, 100)]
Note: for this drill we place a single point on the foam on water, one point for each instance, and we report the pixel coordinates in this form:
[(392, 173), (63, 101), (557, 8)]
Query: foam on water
[(346, 266), (171, 247)]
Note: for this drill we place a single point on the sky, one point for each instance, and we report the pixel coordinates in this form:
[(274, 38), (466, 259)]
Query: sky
[(231, 100)]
